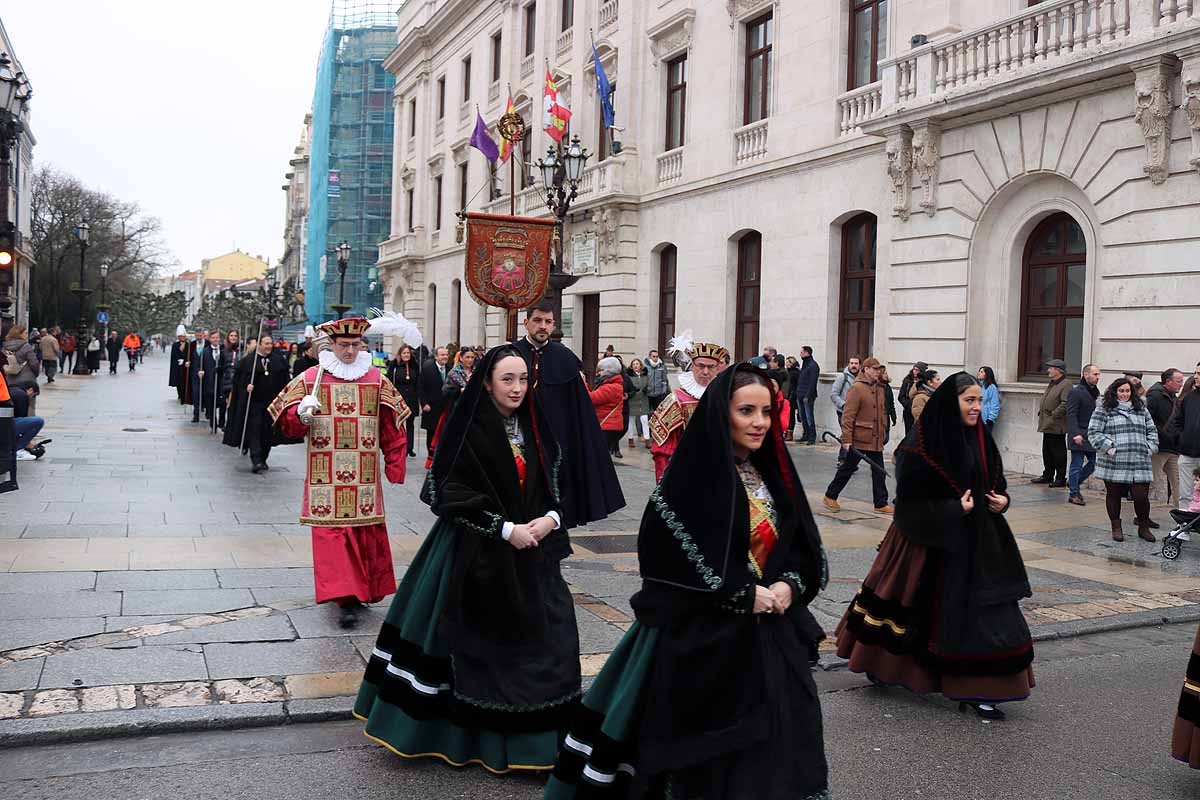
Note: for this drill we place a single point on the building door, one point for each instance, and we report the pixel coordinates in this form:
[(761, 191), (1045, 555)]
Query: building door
[(1052, 295), (749, 284), (590, 337)]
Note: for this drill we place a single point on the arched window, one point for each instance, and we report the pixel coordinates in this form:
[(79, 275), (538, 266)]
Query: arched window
[(431, 314), (456, 310), (667, 260), (749, 285), (1052, 295), (856, 308)]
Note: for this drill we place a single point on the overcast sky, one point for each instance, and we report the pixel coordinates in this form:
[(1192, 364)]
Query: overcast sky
[(189, 109)]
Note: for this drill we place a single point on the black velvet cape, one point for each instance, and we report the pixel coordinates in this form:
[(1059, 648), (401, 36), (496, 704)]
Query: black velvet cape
[(496, 610), (266, 387), (590, 490), (703, 700), (981, 570)]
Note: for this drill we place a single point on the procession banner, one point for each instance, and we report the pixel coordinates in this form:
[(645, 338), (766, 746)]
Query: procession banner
[(508, 259)]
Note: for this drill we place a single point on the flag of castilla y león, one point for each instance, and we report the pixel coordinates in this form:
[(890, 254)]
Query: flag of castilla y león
[(555, 115)]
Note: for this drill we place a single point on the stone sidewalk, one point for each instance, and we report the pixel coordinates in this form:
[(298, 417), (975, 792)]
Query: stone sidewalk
[(149, 581)]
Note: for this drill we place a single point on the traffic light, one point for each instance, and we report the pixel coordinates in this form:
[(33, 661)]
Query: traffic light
[(7, 257)]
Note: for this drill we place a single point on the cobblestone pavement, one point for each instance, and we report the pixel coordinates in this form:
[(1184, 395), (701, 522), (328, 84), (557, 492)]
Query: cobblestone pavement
[(148, 579)]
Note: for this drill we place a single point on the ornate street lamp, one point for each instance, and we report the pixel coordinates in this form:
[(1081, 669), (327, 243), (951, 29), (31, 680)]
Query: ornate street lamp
[(561, 172), (15, 93), (343, 262), (103, 305), (83, 233)]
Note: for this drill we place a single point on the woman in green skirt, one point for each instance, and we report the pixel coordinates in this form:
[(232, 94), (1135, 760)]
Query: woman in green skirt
[(478, 661), (709, 696)]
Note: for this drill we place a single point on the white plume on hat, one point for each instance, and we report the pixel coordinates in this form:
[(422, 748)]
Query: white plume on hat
[(680, 348), (180, 331), (393, 323), (310, 332)]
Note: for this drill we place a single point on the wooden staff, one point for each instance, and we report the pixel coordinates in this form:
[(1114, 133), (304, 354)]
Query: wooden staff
[(253, 371)]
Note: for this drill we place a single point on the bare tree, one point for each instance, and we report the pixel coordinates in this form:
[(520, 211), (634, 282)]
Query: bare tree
[(129, 241)]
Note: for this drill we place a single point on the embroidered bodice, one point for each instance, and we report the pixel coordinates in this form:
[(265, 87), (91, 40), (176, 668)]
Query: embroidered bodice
[(763, 517), (516, 441)]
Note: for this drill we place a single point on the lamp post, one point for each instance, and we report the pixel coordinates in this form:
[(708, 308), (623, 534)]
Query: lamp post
[(83, 233), (560, 177), (14, 95), (343, 262), (103, 304)]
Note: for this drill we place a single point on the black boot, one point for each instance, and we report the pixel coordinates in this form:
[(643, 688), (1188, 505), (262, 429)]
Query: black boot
[(349, 616)]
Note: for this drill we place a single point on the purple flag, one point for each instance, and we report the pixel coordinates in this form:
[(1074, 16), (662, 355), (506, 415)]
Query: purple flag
[(482, 141)]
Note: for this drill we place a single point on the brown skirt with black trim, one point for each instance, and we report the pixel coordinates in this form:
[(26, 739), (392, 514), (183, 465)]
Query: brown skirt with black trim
[(1185, 740), (887, 629)]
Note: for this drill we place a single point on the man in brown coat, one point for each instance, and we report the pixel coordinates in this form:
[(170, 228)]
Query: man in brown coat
[(864, 431), (1052, 424), (50, 352)]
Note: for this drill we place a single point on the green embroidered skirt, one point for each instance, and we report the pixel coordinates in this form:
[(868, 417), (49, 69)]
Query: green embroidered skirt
[(408, 698)]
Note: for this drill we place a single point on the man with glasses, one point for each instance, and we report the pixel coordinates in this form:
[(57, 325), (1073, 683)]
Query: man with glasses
[(701, 361)]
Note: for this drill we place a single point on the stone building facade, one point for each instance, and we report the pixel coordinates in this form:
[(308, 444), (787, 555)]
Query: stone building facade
[(988, 183)]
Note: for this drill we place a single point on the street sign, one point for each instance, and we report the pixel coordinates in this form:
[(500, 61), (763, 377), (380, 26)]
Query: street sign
[(102, 317)]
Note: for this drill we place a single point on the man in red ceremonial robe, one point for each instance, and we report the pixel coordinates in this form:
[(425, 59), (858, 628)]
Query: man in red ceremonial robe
[(702, 360), (347, 411)]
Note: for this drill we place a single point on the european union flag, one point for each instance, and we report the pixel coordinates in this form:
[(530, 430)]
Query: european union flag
[(604, 88)]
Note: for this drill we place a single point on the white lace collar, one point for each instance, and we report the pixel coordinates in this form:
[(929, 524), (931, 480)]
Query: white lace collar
[(687, 382), (340, 369)]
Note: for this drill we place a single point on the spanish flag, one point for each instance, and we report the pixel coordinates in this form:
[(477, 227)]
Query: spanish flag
[(505, 144), (555, 116)]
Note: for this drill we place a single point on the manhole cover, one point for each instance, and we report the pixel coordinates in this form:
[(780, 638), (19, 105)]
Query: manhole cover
[(134, 430), (607, 544)]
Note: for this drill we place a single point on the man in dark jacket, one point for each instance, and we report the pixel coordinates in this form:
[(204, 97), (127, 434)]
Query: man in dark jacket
[(113, 347), (433, 377), (806, 394), (1052, 425), (1160, 400), (1184, 428), (1081, 402)]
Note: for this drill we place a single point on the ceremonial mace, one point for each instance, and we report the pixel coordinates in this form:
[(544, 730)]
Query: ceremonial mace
[(512, 129), (320, 342)]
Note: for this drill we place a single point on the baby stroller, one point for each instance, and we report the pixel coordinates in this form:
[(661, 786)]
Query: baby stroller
[(1186, 523)]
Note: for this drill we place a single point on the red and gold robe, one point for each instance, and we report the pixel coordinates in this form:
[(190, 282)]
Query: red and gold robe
[(343, 497), (666, 426)]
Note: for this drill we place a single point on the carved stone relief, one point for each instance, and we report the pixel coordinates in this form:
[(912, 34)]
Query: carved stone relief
[(1152, 112), (738, 8), (607, 222), (1191, 107), (926, 159), (672, 35), (900, 167)]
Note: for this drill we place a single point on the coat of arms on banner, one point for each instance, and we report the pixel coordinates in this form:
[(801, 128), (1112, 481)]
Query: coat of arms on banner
[(508, 259)]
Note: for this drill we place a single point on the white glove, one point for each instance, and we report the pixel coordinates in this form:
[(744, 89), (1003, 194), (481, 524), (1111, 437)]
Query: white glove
[(308, 406)]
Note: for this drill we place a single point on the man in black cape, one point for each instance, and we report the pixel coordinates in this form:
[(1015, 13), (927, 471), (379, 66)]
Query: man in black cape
[(256, 380), (180, 364), (588, 482), (429, 394)]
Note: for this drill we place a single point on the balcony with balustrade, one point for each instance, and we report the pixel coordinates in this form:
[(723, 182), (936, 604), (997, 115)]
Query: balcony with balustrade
[(397, 248), (1045, 48)]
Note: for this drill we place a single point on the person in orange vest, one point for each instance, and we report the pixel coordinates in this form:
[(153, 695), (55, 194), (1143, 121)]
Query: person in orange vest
[(132, 345), (8, 466)]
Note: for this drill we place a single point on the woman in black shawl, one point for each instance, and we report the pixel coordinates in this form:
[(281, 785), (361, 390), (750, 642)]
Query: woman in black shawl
[(938, 611), (709, 695), (478, 661)]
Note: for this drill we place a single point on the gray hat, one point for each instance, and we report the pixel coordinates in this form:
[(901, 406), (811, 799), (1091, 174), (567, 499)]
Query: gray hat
[(1058, 363)]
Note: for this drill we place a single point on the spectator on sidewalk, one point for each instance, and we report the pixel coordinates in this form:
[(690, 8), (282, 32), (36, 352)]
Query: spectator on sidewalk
[(21, 360), (839, 392), (806, 394), (50, 354), (991, 398), (659, 386), (864, 426), (639, 403), (793, 370), (1160, 400), (1125, 437), (1184, 428), (133, 348), (113, 348), (66, 353), (1052, 424), (1081, 403), (93, 353), (608, 396), (889, 401), (921, 391), (906, 386)]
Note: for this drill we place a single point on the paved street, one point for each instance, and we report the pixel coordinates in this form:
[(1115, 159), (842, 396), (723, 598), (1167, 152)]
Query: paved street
[(1096, 729), (150, 583)]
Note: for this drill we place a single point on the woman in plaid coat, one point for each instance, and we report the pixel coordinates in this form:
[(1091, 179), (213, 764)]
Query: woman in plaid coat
[(1124, 435)]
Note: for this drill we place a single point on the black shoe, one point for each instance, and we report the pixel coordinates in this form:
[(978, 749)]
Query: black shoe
[(349, 616), (1058, 485), (1040, 480), (265, 466), (195, 420), (257, 468), (412, 454), (991, 712), (617, 454), (1151, 524)]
